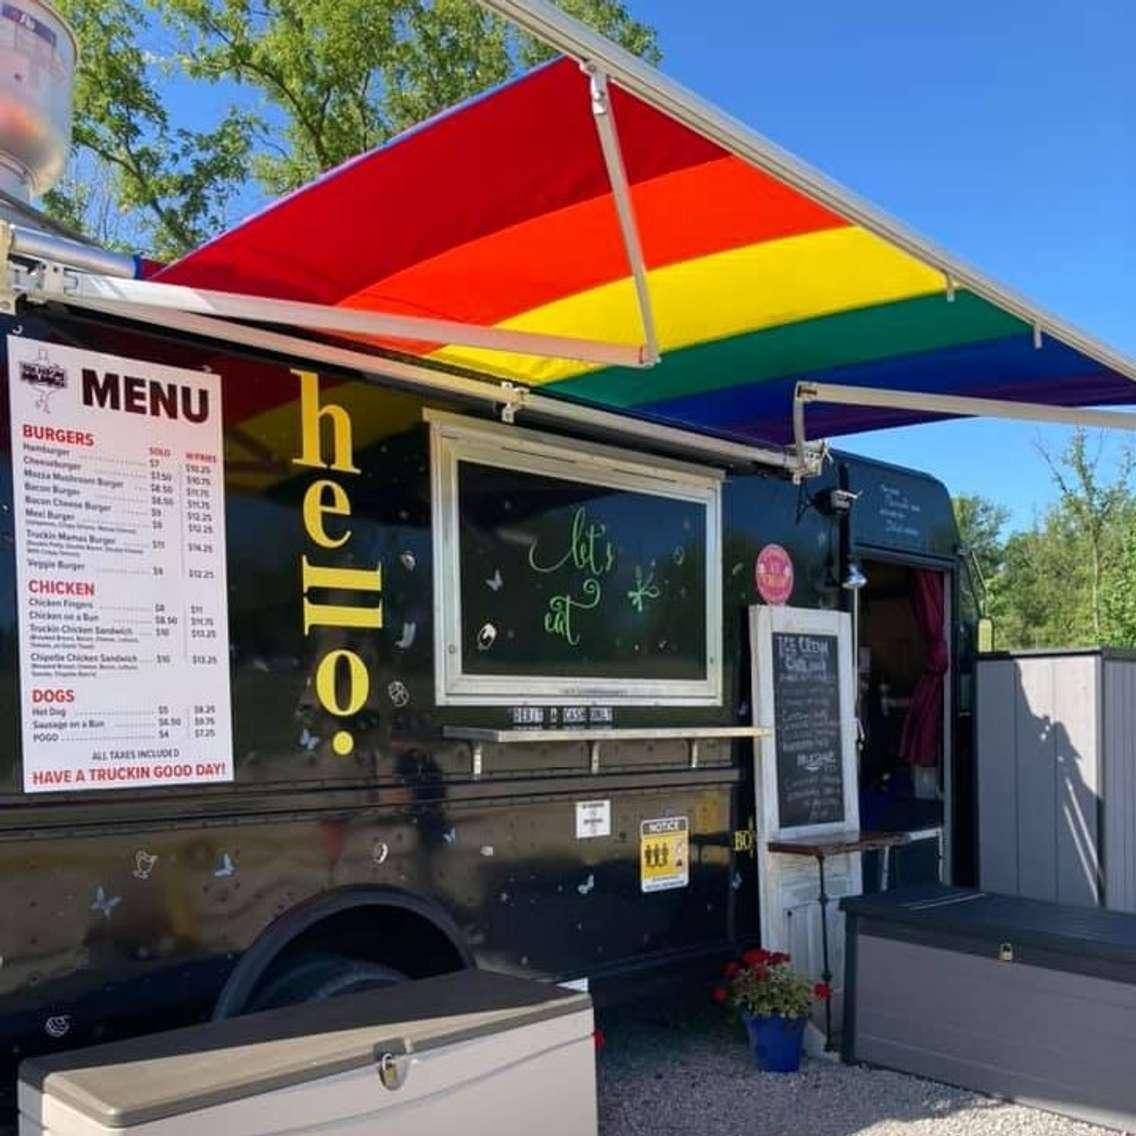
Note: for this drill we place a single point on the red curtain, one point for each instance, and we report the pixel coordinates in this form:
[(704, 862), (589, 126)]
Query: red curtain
[(922, 735)]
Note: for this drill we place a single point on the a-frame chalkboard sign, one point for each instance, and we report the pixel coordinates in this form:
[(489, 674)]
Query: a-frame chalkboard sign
[(806, 776)]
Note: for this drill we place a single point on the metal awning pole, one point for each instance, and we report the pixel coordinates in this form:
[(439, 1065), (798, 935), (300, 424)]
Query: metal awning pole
[(80, 286), (506, 395), (38, 245), (604, 119), (307, 351), (720, 449), (949, 405)]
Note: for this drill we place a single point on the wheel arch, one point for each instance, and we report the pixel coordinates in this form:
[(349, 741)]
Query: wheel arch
[(305, 918)]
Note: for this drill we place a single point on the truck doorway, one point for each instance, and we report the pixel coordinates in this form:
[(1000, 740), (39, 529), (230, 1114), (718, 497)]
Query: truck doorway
[(903, 660)]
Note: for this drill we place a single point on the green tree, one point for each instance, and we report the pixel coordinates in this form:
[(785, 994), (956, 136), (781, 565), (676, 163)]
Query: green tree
[(1118, 590), (980, 523), (1070, 579), (332, 78), (1094, 505), (1040, 598), (174, 181)]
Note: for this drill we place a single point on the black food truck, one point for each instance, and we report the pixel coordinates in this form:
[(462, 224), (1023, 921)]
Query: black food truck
[(377, 581), (374, 826)]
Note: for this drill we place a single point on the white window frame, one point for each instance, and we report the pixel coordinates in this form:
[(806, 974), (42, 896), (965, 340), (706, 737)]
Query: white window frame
[(455, 438)]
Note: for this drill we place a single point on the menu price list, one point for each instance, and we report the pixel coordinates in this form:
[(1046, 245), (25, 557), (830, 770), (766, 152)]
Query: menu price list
[(119, 511), (806, 697)]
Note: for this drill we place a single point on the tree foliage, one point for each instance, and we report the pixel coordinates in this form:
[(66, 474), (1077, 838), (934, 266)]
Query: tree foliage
[(1069, 579), (1040, 598), (326, 80), (1118, 590), (980, 524), (1093, 505), (174, 179)]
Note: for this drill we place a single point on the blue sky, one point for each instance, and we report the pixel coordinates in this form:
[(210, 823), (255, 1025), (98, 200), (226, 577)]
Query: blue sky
[(1004, 130)]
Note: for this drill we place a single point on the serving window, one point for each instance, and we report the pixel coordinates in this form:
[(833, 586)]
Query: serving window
[(567, 571)]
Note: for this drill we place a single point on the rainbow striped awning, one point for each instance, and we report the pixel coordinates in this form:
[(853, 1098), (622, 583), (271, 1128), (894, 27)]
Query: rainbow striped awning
[(500, 213)]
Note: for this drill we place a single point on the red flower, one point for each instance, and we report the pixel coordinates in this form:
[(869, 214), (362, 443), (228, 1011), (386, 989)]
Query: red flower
[(777, 958), (761, 973), (823, 991), (598, 1038), (755, 957), (719, 994), (731, 969)]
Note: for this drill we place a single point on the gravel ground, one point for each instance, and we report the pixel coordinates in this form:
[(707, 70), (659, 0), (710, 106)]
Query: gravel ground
[(690, 1075)]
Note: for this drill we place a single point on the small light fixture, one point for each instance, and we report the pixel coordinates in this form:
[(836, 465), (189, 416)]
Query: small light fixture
[(854, 579), (841, 501)]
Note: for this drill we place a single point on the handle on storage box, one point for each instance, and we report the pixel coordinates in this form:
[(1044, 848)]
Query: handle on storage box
[(392, 1062)]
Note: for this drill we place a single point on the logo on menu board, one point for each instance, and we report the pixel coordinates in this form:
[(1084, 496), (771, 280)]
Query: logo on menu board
[(43, 373)]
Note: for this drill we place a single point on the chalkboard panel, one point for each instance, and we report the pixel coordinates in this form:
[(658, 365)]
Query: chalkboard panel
[(902, 511), (570, 579), (806, 715)]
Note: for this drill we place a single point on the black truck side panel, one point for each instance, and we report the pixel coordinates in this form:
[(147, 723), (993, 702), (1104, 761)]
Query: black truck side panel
[(127, 910)]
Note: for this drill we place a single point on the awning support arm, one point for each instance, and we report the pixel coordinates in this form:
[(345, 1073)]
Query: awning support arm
[(68, 284), (515, 398), (952, 405), (604, 119)]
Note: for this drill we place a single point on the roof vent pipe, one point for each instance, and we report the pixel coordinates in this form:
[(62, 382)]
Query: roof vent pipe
[(38, 52)]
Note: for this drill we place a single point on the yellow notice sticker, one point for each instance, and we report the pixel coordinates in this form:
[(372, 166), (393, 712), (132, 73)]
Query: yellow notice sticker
[(664, 853)]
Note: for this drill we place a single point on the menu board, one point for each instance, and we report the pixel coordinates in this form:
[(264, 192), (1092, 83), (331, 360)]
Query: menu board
[(118, 491), (901, 510), (567, 578), (807, 729)]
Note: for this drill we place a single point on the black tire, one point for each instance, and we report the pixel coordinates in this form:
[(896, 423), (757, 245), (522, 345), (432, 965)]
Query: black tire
[(317, 976)]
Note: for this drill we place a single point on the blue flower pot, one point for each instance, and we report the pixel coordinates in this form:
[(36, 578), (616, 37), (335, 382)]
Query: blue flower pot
[(775, 1041)]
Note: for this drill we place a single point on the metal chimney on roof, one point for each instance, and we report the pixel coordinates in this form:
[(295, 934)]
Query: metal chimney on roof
[(37, 68)]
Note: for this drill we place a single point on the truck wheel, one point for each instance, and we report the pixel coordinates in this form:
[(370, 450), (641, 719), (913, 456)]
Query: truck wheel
[(317, 976)]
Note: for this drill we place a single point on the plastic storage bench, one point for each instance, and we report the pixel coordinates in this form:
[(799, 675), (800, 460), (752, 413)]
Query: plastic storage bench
[(470, 1052), (1014, 997)]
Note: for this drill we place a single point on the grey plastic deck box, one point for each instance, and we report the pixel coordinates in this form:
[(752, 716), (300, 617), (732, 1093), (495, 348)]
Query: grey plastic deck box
[(1056, 775), (1017, 998), (473, 1053)]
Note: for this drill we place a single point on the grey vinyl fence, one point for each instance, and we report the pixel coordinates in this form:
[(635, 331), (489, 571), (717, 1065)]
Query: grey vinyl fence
[(1056, 775)]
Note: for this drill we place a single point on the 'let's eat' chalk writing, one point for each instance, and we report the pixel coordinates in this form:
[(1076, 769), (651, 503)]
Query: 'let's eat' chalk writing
[(592, 556)]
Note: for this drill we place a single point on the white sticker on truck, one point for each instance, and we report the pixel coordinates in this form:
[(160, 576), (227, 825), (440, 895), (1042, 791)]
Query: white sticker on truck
[(593, 818)]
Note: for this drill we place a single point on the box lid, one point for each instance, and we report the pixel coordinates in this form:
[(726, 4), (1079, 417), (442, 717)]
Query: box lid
[(168, 1074), (1090, 931)]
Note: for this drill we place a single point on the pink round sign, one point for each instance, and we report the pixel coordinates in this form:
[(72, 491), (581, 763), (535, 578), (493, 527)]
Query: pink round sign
[(773, 574)]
